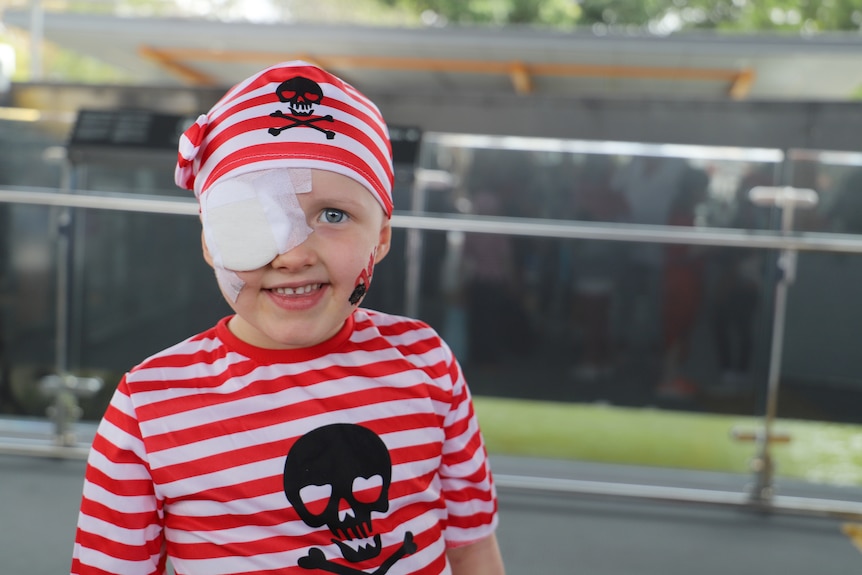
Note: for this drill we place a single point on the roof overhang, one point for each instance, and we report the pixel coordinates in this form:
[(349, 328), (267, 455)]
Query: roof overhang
[(456, 60)]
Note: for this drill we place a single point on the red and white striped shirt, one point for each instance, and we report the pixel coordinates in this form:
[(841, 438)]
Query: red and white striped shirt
[(359, 455)]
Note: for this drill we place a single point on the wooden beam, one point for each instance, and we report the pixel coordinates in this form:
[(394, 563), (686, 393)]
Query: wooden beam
[(170, 62), (521, 78), (520, 73), (740, 87)]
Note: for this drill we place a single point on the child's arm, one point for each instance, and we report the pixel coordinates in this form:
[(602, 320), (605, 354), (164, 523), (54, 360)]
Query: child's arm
[(119, 523), (468, 487), (480, 558)]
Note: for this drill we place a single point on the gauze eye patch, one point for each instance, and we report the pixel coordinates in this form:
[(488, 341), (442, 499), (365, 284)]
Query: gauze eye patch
[(250, 219)]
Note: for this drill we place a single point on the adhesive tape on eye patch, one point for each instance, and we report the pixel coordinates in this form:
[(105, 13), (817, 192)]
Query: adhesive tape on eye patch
[(277, 191), (251, 219), (229, 283)]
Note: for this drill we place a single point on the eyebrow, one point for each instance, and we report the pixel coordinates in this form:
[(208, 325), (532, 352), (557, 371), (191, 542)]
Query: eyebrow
[(338, 200)]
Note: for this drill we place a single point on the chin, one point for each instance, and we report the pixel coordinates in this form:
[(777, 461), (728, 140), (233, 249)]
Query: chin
[(299, 337)]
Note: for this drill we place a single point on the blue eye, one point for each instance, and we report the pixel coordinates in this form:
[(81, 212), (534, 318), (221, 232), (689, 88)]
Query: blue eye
[(332, 216)]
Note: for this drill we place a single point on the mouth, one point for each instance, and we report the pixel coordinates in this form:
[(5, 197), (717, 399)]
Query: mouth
[(298, 290)]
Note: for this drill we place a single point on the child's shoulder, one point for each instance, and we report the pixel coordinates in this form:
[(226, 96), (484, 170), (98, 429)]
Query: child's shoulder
[(412, 337), (389, 324), (204, 348)]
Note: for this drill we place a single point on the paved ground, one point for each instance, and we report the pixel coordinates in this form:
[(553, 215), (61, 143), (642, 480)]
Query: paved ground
[(620, 536), (551, 533)]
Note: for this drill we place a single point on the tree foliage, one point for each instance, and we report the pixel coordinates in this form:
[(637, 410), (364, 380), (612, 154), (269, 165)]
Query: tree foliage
[(656, 15), (771, 15), (499, 12)]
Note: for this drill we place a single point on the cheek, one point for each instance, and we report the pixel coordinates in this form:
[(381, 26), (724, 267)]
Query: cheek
[(363, 280)]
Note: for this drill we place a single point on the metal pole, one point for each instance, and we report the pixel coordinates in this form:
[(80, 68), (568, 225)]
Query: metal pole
[(63, 387), (413, 253), (64, 408), (787, 199), (61, 314), (61, 338), (763, 464), (37, 33)]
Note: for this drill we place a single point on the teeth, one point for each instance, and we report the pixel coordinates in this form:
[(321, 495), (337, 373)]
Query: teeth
[(296, 291)]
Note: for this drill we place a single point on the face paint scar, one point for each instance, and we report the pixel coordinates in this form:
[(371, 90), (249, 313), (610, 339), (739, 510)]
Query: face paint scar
[(357, 294), (363, 281)]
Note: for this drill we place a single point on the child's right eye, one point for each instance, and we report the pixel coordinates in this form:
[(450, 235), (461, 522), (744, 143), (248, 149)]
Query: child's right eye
[(332, 216)]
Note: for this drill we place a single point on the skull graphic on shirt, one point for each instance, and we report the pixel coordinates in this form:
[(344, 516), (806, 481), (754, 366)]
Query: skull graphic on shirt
[(338, 475)]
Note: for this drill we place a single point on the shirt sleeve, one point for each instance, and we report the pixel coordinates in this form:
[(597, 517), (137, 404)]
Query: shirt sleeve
[(120, 523), (468, 486)]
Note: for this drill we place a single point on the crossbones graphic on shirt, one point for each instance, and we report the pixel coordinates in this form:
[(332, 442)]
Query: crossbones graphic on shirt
[(316, 560)]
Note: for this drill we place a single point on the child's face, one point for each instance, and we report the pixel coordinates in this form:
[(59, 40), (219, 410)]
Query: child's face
[(303, 296)]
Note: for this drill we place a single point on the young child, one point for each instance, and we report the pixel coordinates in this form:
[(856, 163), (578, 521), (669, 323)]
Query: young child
[(303, 434)]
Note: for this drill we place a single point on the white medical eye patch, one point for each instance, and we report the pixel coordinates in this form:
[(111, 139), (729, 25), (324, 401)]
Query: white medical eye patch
[(250, 219)]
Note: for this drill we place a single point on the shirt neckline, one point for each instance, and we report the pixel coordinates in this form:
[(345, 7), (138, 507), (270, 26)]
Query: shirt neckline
[(265, 355)]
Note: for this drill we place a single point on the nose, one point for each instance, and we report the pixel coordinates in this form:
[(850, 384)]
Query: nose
[(297, 258)]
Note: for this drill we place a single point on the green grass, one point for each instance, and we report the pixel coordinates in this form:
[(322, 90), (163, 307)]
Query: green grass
[(817, 452)]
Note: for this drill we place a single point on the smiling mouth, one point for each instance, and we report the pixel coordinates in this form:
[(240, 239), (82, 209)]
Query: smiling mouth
[(300, 290)]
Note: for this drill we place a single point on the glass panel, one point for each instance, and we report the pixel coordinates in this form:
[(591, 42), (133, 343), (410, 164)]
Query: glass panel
[(588, 324), (139, 284), (591, 181), (837, 178), (631, 323), (131, 173), (821, 367), (28, 268), (26, 151)]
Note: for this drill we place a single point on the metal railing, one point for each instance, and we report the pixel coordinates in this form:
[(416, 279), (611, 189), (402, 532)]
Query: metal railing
[(548, 228), (786, 241)]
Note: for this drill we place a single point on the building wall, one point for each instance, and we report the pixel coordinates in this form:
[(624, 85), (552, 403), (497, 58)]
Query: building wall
[(815, 125)]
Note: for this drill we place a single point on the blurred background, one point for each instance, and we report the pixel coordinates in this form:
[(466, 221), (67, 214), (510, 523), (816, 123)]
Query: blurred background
[(573, 211)]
